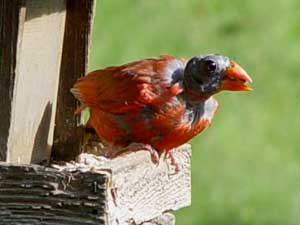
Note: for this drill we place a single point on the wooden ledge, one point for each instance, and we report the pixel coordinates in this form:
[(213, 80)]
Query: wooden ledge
[(142, 190), (126, 190)]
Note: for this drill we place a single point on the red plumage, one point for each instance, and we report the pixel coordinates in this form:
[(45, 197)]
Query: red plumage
[(146, 101)]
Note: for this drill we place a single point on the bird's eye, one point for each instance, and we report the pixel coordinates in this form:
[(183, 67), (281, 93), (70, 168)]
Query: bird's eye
[(210, 66)]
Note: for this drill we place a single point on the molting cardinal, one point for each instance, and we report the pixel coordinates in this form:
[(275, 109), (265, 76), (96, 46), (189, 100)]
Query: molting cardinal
[(161, 102)]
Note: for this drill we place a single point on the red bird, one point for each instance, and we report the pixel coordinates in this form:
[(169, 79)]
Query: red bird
[(162, 102)]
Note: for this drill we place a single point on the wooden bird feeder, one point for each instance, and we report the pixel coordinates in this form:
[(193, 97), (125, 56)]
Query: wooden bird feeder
[(44, 46)]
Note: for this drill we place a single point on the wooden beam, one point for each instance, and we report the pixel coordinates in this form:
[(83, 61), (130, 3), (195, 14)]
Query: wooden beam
[(139, 190), (126, 190), (34, 80), (68, 135), (32, 194)]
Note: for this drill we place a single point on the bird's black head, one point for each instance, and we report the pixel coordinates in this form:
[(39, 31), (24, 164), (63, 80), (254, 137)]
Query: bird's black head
[(206, 75)]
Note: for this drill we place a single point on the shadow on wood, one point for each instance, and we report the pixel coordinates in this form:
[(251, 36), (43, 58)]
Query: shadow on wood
[(41, 137), (47, 8), (9, 27), (68, 136)]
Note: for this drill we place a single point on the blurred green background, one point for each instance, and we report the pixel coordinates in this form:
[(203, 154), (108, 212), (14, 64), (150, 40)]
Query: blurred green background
[(246, 167)]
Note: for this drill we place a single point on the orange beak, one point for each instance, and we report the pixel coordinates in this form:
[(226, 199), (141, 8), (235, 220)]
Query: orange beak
[(236, 79)]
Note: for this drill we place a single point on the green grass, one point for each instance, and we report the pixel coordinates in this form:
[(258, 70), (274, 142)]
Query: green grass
[(246, 167)]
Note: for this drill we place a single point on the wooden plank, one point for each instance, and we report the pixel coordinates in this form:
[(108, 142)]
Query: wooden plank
[(139, 190), (31, 194), (9, 27), (126, 190), (68, 136), (36, 81)]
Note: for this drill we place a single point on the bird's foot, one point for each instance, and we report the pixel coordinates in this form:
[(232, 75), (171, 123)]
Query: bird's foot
[(173, 162), (134, 147)]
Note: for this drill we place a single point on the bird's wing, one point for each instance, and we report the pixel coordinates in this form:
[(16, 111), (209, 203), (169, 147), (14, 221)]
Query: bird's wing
[(121, 89)]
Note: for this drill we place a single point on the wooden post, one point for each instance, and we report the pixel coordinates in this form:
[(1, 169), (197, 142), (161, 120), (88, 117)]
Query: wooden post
[(31, 80), (9, 27), (68, 135), (45, 49)]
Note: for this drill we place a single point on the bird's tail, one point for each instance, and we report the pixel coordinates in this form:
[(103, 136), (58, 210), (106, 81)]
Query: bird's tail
[(76, 92), (77, 95), (83, 108)]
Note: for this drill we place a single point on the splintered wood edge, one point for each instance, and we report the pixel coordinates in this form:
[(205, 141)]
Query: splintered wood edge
[(33, 194), (139, 190), (164, 219)]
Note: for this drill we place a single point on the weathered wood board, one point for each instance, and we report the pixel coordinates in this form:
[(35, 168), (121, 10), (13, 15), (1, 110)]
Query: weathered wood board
[(68, 135), (140, 190), (33, 86), (126, 190), (36, 83), (44, 49), (31, 194)]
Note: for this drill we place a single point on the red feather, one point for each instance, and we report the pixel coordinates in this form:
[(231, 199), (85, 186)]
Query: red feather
[(139, 102)]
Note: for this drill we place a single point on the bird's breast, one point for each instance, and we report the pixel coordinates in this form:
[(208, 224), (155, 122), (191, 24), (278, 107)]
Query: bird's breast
[(172, 124), (164, 127)]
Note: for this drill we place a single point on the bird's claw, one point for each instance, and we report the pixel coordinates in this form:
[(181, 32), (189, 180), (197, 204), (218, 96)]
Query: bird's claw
[(154, 157), (173, 161), (138, 147)]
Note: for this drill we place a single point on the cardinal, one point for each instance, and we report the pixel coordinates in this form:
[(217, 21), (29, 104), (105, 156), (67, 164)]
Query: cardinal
[(158, 103)]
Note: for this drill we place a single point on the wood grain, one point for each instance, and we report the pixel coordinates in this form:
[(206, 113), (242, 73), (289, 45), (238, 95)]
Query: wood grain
[(34, 44), (68, 135), (142, 190), (38, 57), (127, 190), (31, 194)]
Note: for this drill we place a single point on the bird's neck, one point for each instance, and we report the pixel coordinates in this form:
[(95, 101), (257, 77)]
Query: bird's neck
[(201, 111), (194, 97), (193, 93)]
